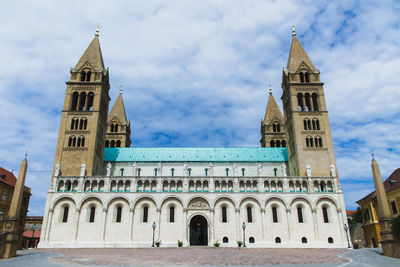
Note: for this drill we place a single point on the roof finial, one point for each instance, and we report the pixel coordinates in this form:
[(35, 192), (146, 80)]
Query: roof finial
[(270, 88), (293, 29), (372, 154), (97, 29), (120, 89), (26, 154)]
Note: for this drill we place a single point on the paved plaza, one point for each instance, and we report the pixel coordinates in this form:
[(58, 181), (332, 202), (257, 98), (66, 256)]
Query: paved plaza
[(200, 257)]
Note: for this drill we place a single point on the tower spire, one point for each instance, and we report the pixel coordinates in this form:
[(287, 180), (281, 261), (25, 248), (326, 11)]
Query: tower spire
[(298, 56), (92, 57)]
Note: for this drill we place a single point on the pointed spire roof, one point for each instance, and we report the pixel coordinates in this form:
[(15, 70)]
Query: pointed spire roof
[(298, 55), (118, 110), (273, 112), (92, 56)]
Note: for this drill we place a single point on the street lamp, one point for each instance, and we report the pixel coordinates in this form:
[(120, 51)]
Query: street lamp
[(244, 234), (33, 234), (154, 228), (346, 228)]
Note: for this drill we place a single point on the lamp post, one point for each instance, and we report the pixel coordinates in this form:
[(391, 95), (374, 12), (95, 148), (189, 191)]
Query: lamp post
[(244, 234), (33, 234), (346, 228), (154, 228)]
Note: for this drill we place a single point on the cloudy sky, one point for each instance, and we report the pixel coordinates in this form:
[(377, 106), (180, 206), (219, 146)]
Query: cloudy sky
[(195, 73)]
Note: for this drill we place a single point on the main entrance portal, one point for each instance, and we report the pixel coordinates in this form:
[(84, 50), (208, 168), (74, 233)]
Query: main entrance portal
[(198, 231)]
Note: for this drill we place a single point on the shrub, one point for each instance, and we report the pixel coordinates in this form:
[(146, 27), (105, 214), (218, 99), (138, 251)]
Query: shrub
[(216, 244), (158, 243), (180, 243), (240, 243)]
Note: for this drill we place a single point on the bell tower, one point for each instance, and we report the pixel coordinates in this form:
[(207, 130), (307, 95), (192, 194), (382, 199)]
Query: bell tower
[(308, 133), (272, 127), (84, 116)]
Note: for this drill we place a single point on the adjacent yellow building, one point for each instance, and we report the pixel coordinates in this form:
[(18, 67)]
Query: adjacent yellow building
[(370, 214)]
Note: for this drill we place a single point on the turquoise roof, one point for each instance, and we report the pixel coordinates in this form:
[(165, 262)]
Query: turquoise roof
[(175, 154)]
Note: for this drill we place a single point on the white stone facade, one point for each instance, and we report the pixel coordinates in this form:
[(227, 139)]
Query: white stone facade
[(118, 204)]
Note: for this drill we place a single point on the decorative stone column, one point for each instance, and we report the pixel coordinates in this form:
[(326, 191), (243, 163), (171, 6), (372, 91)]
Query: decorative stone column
[(263, 222), (104, 223), (212, 185), (159, 222), (315, 221), (289, 223), (185, 226), (238, 225), (76, 228), (49, 221), (131, 216), (212, 225)]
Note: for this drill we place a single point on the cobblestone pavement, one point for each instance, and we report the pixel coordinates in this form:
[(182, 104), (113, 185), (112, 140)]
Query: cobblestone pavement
[(200, 257)]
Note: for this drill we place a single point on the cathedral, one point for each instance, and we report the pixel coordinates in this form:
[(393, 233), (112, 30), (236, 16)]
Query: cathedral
[(104, 193)]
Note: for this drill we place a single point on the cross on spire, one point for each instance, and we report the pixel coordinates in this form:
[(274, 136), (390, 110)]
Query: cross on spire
[(120, 89), (270, 88), (293, 29), (97, 29)]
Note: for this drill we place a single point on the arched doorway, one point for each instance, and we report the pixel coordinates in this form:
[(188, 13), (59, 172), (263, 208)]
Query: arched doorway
[(198, 231)]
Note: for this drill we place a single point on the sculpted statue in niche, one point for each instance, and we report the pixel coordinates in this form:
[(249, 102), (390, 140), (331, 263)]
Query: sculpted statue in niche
[(83, 169), (333, 170), (185, 169), (308, 169), (108, 173), (159, 169), (284, 169), (259, 167), (211, 169), (57, 169), (134, 169), (235, 169)]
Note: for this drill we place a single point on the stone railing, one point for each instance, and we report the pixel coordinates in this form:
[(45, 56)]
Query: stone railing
[(292, 184)]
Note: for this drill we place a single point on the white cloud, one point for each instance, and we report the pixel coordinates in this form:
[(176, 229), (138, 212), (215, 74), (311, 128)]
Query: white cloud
[(197, 71)]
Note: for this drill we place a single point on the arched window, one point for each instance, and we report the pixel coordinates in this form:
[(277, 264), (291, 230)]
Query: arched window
[(308, 101), (89, 104), (227, 171), (112, 143), (82, 141), (92, 214), (307, 77), (145, 214), (121, 172), (278, 143), (330, 240), (315, 101), (274, 215), (83, 76), (251, 240), (206, 171), (112, 128), (249, 214), (308, 141), (155, 171), (73, 121), (274, 128), (272, 143), (305, 124), (138, 171), (82, 100), (275, 172), (300, 101), (107, 143), (119, 214), (304, 240), (78, 144), (172, 171), (88, 74), (189, 172), (300, 214), (301, 77), (224, 217), (118, 143), (325, 214), (172, 214), (65, 214), (283, 143), (72, 141), (243, 171), (320, 141), (277, 240), (116, 128), (316, 139), (225, 239), (74, 101)]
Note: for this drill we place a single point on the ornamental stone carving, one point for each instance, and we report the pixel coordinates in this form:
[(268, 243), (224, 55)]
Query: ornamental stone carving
[(199, 205)]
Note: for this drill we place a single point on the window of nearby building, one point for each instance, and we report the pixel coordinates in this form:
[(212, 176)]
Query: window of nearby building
[(119, 214), (274, 215), (325, 213), (92, 214), (1, 216), (145, 214), (224, 217), (4, 196), (249, 215), (300, 214), (65, 214), (366, 215), (172, 214), (394, 208)]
